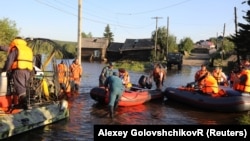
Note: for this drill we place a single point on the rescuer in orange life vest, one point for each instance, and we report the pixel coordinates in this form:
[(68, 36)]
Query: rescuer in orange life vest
[(200, 75), (19, 65), (63, 77), (75, 75), (210, 85), (243, 85)]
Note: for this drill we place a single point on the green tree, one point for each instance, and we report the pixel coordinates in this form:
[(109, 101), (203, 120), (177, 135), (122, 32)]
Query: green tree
[(241, 38), (69, 50), (108, 34), (186, 44), (84, 35), (8, 31), (165, 41)]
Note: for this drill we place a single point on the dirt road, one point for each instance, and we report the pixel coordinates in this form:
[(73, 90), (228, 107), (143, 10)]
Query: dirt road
[(196, 59)]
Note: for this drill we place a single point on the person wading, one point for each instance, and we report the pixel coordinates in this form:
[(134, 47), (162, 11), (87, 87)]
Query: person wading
[(115, 87), (63, 77), (75, 75)]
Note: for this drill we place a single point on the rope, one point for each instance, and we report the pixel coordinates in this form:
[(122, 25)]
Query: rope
[(137, 94)]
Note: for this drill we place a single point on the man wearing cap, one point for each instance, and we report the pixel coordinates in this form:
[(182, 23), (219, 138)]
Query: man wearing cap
[(106, 72), (114, 86)]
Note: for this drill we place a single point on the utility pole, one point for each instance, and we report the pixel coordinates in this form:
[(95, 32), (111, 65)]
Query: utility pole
[(236, 32), (79, 54), (156, 28), (222, 43), (167, 33)]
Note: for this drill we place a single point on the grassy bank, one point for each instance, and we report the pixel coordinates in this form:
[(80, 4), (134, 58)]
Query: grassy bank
[(136, 66)]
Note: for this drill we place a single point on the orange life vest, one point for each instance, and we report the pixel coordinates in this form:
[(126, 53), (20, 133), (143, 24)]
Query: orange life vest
[(75, 72), (210, 85), (244, 85), (126, 80), (24, 59), (200, 74), (62, 72)]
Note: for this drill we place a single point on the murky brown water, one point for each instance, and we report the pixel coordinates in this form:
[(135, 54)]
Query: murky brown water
[(85, 112)]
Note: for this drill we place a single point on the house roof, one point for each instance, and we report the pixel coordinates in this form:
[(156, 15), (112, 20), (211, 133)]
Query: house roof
[(137, 44), (115, 47), (94, 42)]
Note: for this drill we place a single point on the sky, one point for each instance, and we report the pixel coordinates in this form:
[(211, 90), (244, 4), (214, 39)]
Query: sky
[(127, 19)]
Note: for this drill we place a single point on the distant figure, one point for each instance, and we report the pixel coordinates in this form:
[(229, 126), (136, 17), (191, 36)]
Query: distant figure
[(105, 73), (114, 85), (159, 75), (75, 75)]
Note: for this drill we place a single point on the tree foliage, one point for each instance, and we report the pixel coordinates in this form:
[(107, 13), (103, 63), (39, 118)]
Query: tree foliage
[(165, 41), (186, 44), (108, 34), (8, 31), (70, 50), (241, 38), (84, 35)]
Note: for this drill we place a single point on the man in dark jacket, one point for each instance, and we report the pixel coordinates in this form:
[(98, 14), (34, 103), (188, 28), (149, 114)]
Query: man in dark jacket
[(114, 85), (19, 64), (106, 72)]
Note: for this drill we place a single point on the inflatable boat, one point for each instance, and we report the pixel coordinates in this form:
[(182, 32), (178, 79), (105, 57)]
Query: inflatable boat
[(135, 96), (232, 101)]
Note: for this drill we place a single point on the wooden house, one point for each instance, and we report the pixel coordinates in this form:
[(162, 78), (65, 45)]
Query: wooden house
[(137, 49), (94, 48), (114, 51)]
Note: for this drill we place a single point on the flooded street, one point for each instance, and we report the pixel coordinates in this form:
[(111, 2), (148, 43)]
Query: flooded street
[(85, 112)]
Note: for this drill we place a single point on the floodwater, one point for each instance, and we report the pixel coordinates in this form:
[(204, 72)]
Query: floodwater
[(85, 112)]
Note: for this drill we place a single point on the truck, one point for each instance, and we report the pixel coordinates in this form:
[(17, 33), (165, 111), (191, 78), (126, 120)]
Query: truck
[(174, 58)]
